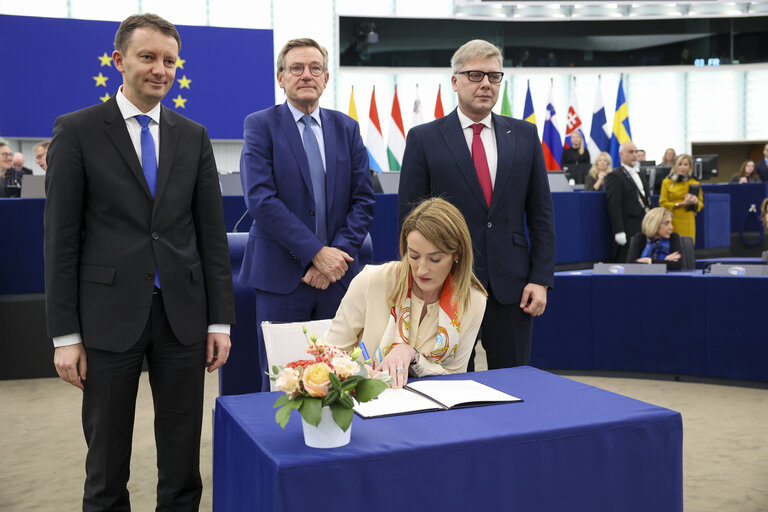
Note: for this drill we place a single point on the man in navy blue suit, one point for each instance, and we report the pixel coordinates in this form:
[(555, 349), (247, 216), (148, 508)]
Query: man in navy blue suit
[(307, 185), (761, 166), (492, 169)]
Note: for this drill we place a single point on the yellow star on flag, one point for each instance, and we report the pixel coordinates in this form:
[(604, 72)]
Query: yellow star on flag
[(104, 98), (180, 62), (179, 101), (184, 81), (106, 60), (101, 80)]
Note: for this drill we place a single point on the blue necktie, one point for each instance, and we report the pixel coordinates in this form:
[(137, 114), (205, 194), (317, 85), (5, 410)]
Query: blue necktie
[(149, 163), (148, 158), (317, 172)]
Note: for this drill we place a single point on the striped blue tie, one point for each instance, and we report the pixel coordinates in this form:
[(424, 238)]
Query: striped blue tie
[(149, 163), (317, 172)]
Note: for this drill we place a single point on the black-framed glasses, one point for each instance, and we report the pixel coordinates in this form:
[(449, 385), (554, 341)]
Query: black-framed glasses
[(314, 69), (495, 77)]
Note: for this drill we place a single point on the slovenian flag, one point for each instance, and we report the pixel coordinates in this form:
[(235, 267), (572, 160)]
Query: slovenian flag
[(439, 105), (551, 143), (621, 132), (396, 140), (377, 151), (574, 121), (598, 133), (528, 113)]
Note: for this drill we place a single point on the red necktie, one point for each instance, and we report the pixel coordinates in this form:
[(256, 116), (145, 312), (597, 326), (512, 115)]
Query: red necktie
[(481, 163)]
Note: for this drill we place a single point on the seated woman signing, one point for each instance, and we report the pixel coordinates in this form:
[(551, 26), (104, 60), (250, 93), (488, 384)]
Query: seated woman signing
[(657, 243), (418, 316)]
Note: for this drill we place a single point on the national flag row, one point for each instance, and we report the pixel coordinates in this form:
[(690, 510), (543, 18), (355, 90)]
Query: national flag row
[(389, 156)]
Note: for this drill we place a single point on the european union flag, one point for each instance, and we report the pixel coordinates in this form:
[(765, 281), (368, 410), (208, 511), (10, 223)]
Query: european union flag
[(222, 75), (621, 132)]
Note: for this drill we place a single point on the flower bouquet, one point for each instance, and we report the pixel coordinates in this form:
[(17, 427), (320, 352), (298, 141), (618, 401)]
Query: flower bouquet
[(331, 378)]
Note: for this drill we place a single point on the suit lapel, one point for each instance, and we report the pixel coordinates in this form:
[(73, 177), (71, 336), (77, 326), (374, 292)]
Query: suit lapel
[(118, 134), (505, 140), (457, 144), (291, 132), (169, 137), (329, 141)]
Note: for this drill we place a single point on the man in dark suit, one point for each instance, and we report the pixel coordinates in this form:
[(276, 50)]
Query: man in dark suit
[(492, 169), (761, 166), (628, 198), (307, 186), (137, 266)]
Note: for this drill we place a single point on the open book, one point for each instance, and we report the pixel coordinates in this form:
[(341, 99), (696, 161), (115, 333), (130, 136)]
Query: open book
[(432, 395)]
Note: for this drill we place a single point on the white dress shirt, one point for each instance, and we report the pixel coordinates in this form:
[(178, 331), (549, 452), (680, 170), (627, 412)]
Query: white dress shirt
[(487, 135), (636, 178)]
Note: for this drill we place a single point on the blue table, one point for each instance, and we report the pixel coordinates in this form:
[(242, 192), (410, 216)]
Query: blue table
[(684, 323), (569, 446), (742, 196)]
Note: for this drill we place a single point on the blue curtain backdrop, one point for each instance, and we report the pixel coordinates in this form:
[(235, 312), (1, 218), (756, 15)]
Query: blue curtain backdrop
[(224, 74)]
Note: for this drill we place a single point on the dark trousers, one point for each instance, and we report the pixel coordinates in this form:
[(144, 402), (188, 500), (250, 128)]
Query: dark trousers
[(303, 304), (506, 333), (176, 375)]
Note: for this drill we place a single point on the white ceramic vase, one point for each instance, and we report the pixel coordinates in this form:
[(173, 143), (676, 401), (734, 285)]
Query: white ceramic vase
[(327, 434)]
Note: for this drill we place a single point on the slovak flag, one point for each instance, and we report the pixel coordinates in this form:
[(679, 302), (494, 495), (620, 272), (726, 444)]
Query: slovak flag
[(551, 143), (573, 123)]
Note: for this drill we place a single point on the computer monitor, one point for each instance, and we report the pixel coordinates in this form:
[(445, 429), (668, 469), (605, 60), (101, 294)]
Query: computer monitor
[(656, 175), (704, 166)]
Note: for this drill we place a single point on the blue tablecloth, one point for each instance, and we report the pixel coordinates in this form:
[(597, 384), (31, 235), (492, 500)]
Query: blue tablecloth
[(569, 446), (682, 323)]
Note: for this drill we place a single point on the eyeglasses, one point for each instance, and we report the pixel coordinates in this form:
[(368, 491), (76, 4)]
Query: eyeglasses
[(314, 69), (6, 155), (494, 77)]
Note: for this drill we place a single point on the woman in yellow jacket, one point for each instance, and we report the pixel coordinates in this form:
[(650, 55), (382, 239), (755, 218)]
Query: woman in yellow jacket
[(676, 198)]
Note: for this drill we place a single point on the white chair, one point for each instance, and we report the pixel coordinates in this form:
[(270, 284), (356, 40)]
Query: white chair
[(286, 342)]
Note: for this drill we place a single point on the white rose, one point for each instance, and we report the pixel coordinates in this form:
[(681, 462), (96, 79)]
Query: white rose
[(345, 367), (288, 382)]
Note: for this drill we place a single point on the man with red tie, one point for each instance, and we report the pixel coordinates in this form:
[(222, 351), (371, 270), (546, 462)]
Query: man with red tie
[(491, 168)]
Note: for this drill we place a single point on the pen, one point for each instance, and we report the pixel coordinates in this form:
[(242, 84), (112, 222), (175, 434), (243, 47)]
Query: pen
[(366, 357)]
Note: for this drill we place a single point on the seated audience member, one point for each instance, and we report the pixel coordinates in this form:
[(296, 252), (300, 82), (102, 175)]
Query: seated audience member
[(420, 315), (676, 198), (595, 178), (18, 163), (669, 158), (641, 155), (746, 173), (41, 150), (657, 243), (11, 177), (762, 166), (577, 153)]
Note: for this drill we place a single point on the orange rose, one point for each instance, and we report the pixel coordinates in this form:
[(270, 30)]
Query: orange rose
[(316, 380)]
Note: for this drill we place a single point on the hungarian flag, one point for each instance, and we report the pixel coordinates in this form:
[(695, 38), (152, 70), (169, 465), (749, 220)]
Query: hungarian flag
[(551, 143), (377, 150), (396, 140), (439, 105)]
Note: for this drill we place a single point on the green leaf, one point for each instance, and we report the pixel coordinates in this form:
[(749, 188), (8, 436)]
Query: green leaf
[(342, 416), (282, 416), (284, 399), (331, 397), (369, 389), (311, 410), (275, 369), (335, 382), (346, 401), (350, 383)]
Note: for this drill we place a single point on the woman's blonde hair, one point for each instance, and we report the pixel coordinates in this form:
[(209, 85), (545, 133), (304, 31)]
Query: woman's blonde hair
[(443, 226), (680, 158), (581, 147), (593, 171), (664, 157), (653, 220)]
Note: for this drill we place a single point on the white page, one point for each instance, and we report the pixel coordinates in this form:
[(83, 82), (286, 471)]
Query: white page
[(394, 401), (455, 392)]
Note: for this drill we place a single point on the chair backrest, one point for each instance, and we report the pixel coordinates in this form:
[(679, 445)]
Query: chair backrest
[(689, 257), (286, 342)]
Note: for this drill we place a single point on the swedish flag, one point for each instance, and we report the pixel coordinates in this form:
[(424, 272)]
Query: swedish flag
[(621, 132)]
